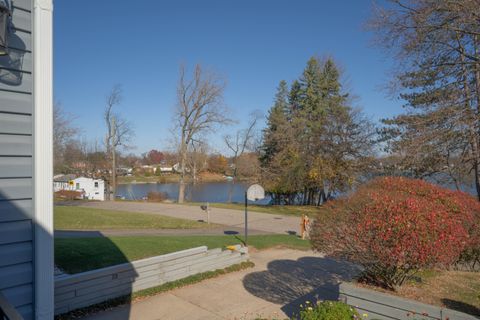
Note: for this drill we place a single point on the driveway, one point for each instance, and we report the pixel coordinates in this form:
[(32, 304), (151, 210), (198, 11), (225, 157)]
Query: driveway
[(261, 222), (281, 280)]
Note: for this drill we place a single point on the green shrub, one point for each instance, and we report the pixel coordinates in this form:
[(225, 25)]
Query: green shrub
[(328, 310)]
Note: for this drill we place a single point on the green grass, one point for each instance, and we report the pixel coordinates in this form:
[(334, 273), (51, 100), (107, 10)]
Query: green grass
[(82, 312), (79, 218), (284, 210), (83, 254)]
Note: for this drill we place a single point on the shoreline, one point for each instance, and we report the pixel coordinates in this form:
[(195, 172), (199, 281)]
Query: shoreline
[(160, 180)]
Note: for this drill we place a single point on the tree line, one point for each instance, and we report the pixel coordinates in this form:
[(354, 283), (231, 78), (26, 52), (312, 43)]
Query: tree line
[(316, 143)]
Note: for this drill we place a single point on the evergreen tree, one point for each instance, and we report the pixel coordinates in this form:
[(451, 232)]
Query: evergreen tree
[(437, 44), (276, 121), (315, 143)]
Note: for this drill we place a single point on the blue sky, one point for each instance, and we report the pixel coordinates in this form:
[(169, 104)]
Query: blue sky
[(253, 44)]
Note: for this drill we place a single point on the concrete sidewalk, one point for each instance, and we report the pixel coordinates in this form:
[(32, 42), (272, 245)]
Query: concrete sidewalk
[(281, 280), (261, 222)]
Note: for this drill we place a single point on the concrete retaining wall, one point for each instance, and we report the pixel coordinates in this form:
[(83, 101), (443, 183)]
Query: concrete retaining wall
[(88, 288), (383, 306)]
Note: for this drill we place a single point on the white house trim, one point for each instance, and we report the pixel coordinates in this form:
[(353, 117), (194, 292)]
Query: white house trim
[(43, 157)]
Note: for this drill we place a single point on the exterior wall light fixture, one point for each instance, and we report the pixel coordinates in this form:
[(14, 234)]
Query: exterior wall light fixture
[(5, 20)]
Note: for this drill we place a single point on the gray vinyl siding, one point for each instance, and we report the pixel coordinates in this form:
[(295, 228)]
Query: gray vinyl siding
[(16, 166)]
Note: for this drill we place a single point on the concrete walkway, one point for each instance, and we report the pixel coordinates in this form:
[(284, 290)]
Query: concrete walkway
[(281, 280), (262, 222)]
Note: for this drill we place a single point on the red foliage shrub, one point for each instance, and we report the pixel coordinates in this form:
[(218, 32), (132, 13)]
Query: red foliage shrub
[(69, 194), (395, 226)]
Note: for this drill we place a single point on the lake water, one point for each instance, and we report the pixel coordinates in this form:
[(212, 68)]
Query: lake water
[(200, 192), (203, 192)]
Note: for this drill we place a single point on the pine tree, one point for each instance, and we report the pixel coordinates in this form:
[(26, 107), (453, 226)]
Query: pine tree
[(276, 122), (437, 44), (315, 143)]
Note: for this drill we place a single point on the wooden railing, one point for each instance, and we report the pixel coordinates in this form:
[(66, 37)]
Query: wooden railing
[(7, 311)]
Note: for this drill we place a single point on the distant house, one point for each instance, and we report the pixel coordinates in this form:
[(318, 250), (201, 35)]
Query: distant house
[(153, 168), (123, 171), (177, 168), (162, 168), (92, 189), (61, 181), (166, 169), (147, 168)]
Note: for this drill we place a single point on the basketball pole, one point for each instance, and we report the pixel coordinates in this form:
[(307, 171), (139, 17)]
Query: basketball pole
[(246, 219)]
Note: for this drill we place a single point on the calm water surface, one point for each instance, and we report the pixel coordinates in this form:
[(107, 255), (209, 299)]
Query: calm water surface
[(206, 192), (200, 192)]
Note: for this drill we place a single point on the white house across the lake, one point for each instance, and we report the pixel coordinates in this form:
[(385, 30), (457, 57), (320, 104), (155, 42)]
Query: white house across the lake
[(92, 189)]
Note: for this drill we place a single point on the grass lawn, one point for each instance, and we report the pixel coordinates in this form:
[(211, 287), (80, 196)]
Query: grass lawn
[(456, 290), (77, 218), (82, 254), (285, 210)]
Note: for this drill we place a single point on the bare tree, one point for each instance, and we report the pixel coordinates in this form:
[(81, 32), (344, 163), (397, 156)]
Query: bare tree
[(197, 158), (119, 132), (200, 108), (63, 132), (243, 140)]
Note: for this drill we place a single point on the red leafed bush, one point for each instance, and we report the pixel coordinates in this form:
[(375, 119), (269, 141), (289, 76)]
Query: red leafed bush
[(69, 194), (395, 226)]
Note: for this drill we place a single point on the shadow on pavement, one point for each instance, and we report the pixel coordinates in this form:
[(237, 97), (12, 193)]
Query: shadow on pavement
[(293, 282)]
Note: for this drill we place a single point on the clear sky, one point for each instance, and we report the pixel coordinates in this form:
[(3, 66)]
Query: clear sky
[(253, 44)]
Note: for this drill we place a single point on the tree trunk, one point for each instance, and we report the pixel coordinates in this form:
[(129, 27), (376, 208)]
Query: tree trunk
[(477, 179), (114, 164), (114, 175), (232, 185), (473, 122), (194, 173), (477, 93), (181, 186), (321, 193), (183, 163), (230, 191)]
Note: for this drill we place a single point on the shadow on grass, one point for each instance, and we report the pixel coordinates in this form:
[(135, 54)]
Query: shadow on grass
[(75, 259), (74, 256), (294, 282), (17, 224), (461, 306)]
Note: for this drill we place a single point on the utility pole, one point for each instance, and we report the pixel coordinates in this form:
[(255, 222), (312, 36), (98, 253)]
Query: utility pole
[(114, 160)]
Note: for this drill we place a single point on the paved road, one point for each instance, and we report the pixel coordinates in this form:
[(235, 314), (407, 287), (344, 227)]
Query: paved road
[(261, 222), (281, 280)]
